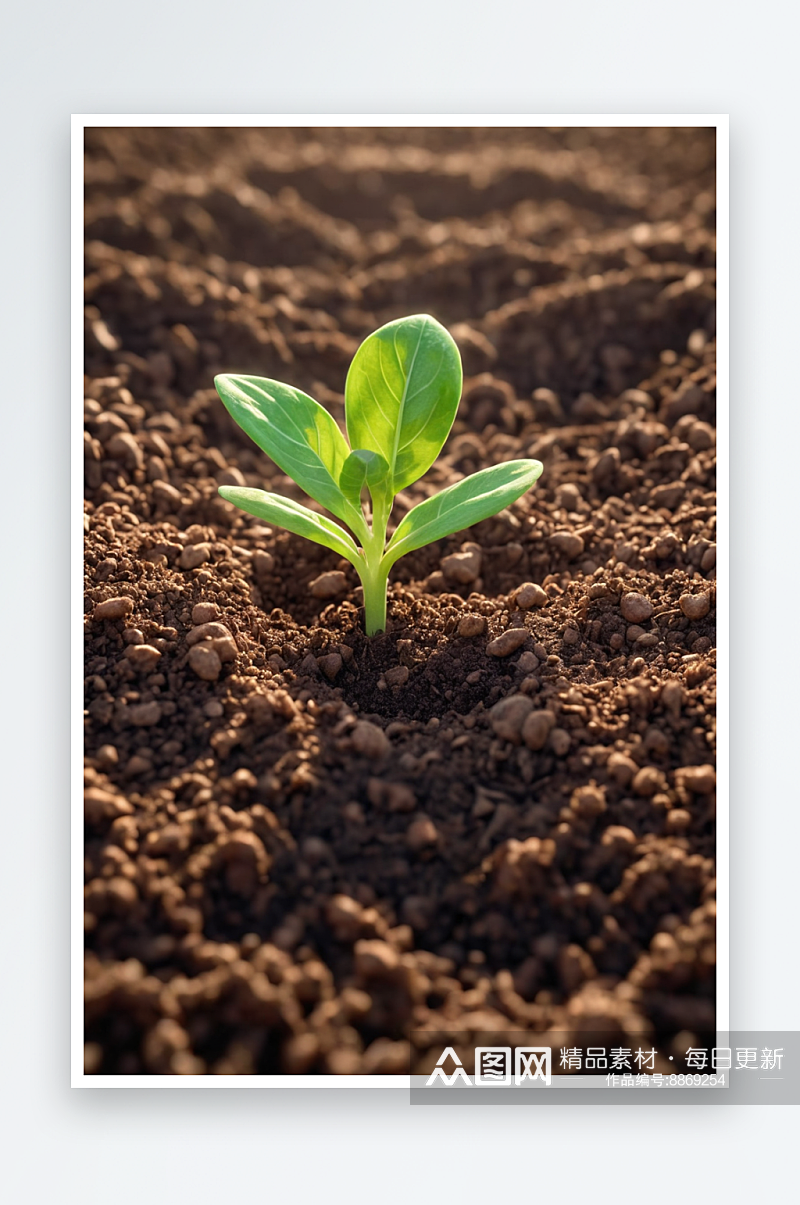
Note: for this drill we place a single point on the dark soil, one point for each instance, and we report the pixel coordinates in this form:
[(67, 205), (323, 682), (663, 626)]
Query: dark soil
[(327, 843)]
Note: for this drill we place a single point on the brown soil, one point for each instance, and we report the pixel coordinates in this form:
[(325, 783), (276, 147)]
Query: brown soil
[(328, 842)]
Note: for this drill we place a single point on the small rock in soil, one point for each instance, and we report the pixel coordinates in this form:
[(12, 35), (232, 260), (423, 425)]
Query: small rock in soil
[(106, 568), (113, 608), (397, 675), (528, 595), (167, 495), (702, 780), (225, 648), (374, 959), (463, 567), (588, 801), (568, 496), (668, 496), (709, 558), (508, 716), (194, 555), (560, 742), (695, 606), (143, 715), (143, 657), (568, 543), (606, 466), (507, 642), (107, 757), (329, 585), (536, 729), (104, 806), (263, 563), (636, 608), (204, 612), (621, 768), (396, 796), (205, 662), (369, 740), (471, 625), (208, 631), (672, 697), (231, 476), (421, 833), (330, 665), (125, 448), (648, 781)]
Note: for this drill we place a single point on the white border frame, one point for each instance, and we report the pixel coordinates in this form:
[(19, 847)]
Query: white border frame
[(79, 123)]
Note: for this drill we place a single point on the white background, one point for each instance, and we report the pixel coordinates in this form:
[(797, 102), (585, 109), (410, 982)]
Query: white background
[(417, 56)]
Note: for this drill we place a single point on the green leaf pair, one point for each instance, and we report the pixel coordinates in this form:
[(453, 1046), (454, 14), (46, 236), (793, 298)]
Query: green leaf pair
[(401, 397)]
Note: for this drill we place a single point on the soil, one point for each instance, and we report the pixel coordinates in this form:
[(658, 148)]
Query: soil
[(303, 846)]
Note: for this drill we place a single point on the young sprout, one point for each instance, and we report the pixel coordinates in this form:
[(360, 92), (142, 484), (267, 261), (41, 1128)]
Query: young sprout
[(401, 397)]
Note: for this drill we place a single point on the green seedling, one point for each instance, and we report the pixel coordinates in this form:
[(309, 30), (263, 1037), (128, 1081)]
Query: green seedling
[(401, 396)]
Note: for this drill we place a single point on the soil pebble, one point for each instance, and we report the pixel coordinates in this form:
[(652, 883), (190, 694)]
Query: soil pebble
[(421, 833), (369, 740), (508, 716), (331, 665), (569, 543), (507, 642), (471, 625), (113, 608), (700, 779), (143, 715), (463, 567), (263, 563), (536, 729), (560, 742), (204, 612), (695, 606), (143, 657), (205, 662), (194, 555), (588, 801), (329, 585), (636, 608), (529, 595)]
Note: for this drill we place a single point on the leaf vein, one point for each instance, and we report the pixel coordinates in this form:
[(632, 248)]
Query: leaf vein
[(403, 399), (383, 374), (379, 406)]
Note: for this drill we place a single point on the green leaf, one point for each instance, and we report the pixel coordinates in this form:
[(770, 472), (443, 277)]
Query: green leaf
[(291, 516), (402, 393), (298, 434), (364, 468), (461, 505)]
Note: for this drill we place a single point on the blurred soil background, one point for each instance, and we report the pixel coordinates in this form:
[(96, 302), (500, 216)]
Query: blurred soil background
[(304, 847)]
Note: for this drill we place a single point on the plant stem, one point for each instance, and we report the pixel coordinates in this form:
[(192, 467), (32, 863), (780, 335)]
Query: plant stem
[(374, 574), (374, 582)]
